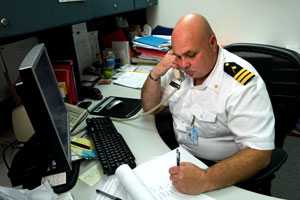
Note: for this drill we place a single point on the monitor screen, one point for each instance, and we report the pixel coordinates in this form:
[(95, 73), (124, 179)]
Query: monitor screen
[(45, 107)]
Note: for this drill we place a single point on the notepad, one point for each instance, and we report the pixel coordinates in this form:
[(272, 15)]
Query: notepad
[(150, 180)]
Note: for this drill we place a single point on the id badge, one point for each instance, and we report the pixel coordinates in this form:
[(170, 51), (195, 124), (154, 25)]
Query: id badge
[(194, 135), (194, 132)]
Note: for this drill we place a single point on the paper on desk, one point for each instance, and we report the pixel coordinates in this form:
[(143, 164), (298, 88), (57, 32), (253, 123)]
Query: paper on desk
[(150, 180), (113, 186), (92, 175), (137, 68), (131, 79), (128, 178), (82, 46), (42, 192)]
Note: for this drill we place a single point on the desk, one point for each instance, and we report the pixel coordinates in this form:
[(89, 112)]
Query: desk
[(145, 143)]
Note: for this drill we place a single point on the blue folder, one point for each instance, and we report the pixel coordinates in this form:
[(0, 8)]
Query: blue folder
[(153, 41)]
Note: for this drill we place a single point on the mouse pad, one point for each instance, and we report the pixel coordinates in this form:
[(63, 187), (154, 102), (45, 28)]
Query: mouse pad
[(128, 108)]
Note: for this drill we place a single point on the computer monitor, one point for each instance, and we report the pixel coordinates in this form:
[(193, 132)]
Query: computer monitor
[(49, 148)]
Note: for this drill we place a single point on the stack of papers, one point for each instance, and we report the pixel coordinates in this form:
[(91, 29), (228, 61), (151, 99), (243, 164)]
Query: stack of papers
[(131, 79), (133, 76)]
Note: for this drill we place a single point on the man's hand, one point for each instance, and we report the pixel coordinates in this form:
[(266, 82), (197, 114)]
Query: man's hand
[(167, 62), (152, 91), (189, 178)]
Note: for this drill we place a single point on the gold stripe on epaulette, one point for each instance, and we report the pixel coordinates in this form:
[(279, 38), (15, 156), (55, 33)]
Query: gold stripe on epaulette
[(240, 74), (237, 75), (240, 78), (248, 77)]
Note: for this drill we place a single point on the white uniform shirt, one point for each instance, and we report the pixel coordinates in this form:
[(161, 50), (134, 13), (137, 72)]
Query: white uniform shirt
[(229, 116)]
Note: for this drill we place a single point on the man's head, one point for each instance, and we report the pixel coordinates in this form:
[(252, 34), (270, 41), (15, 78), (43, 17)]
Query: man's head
[(195, 46)]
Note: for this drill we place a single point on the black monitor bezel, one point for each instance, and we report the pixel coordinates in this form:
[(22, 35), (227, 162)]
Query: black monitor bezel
[(38, 111)]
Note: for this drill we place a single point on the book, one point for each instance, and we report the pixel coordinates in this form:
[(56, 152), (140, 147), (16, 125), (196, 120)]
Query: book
[(150, 180)]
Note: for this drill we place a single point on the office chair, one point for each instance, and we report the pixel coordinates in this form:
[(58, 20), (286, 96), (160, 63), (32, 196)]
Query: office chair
[(280, 69)]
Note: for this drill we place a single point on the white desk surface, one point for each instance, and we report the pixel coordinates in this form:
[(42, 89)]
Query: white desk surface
[(145, 143)]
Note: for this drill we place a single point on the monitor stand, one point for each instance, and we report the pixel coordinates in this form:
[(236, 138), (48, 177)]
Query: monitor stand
[(31, 163)]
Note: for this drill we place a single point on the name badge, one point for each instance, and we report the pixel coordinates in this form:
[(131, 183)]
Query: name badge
[(194, 132)]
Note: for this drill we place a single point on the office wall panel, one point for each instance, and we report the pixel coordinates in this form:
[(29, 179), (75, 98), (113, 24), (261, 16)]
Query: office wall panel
[(271, 22)]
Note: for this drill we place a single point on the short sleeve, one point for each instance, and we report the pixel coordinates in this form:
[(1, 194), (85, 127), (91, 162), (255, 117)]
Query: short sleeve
[(250, 116)]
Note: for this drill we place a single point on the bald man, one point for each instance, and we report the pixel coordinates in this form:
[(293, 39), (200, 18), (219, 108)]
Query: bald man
[(221, 113)]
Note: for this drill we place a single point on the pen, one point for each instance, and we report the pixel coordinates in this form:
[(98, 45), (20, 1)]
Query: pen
[(193, 121), (80, 145), (177, 157), (107, 195)]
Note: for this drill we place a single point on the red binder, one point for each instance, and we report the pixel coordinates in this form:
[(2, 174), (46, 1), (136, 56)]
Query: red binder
[(64, 73)]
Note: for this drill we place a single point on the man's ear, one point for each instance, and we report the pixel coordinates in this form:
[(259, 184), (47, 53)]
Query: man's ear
[(213, 42)]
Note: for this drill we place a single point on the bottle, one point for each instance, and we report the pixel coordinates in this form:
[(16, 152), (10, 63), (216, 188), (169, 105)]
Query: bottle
[(109, 65)]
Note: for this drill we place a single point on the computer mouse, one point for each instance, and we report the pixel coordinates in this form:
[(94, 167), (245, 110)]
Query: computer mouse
[(96, 94), (114, 104), (91, 92)]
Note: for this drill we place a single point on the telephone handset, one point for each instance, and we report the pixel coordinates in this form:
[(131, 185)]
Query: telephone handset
[(178, 78), (178, 74)]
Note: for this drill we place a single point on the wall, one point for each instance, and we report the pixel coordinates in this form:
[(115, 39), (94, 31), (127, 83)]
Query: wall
[(13, 54), (262, 21)]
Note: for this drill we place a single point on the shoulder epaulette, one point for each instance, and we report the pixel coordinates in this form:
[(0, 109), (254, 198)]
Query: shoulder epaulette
[(242, 75)]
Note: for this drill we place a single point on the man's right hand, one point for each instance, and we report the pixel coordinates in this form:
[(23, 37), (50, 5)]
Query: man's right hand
[(167, 62), (152, 91)]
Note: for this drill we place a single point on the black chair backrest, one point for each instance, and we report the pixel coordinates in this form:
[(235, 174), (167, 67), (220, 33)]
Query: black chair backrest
[(280, 69)]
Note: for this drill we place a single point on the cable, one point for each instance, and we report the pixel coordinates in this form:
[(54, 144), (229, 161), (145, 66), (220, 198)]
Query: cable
[(4, 153)]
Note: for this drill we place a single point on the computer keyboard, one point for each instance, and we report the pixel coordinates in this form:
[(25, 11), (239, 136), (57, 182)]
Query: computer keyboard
[(111, 148)]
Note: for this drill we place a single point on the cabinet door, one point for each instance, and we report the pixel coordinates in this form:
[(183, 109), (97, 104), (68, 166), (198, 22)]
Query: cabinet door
[(20, 17), (107, 7), (71, 12), (144, 3)]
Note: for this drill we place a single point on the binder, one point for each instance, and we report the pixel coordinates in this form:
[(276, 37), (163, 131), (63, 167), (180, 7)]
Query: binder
[(64, 73)]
